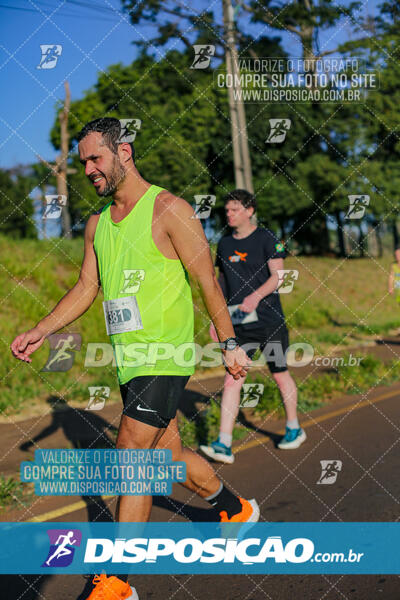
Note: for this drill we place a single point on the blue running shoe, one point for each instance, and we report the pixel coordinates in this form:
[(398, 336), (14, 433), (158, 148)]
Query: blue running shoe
[(218, 451), (292, 439)]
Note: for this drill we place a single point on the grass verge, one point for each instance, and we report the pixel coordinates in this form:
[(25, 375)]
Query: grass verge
[(13, 491), (313, 393)]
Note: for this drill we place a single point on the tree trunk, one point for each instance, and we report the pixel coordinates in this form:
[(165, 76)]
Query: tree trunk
[(340, 236), (240, 144), (361, 241), (378, 239), (395, 234), (61, 162), (311, 233)]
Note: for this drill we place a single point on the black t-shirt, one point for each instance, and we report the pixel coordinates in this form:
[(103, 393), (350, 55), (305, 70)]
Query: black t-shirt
[(244, 265)]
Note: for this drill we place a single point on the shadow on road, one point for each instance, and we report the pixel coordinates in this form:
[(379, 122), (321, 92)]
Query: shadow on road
[(27, 587), (84, 429), (274, 437), (388, 342), (192, 513), (188, 408)]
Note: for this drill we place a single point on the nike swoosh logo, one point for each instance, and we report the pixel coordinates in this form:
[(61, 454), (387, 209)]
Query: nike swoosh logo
[(145, 409)]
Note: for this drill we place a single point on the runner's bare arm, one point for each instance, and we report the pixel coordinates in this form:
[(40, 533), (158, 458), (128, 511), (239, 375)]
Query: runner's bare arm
[(75, 302), (391, 281), (251, 301), (82, 295), (190, 243), (274, 265), (187, 237), (222, 283)]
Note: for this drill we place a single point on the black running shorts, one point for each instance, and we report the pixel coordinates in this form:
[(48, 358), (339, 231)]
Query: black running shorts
[(273, 343), (153, 399)]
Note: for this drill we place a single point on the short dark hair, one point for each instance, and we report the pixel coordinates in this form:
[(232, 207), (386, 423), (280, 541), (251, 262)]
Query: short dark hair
[(110, 128), (244, 197)]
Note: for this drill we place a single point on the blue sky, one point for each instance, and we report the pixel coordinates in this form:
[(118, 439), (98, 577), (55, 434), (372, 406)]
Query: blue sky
[(93, 35)]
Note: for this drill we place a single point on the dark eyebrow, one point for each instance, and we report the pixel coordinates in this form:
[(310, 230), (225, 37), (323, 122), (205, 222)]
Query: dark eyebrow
[(91, 157)]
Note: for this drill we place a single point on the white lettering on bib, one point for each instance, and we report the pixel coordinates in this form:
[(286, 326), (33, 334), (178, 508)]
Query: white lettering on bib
[(122, 315)]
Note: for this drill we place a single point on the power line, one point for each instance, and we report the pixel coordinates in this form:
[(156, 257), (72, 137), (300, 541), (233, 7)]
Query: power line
[(95, 6), (62, 14)]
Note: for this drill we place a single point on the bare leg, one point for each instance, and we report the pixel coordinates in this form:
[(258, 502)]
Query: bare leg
[(135, 435), (288, 390), (230, 403), (200, 476)]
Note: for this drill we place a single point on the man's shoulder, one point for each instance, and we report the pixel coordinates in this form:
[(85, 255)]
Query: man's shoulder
[(92, 222), (265, 233), (224, 239), (100, 210), (272, 245), (167, 204)]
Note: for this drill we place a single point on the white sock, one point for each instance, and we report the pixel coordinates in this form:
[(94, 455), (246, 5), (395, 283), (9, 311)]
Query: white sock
[(225, 439), (293, 424)]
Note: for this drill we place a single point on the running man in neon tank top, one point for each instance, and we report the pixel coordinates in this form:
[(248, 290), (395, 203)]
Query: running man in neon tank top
[(140, 248)]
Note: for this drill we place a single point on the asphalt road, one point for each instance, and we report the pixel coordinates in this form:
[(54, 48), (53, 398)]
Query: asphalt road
[(361, 432)]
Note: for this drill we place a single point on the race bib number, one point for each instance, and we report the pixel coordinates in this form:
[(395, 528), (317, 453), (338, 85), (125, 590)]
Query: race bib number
[(122, 315), (239, 317)]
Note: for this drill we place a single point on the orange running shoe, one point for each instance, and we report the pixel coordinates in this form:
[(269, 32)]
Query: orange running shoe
[(250, 513), (111, 588)]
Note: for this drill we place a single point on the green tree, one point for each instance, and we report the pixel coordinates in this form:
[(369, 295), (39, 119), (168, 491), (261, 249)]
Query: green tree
[(16, 207), (178, 110)]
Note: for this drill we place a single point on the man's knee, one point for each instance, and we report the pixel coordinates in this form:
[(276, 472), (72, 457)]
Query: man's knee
[(282, 377), (135, 435), (232, 383), (125, 442)]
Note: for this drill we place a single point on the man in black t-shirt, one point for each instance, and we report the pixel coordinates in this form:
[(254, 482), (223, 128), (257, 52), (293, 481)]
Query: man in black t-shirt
[(249, 260)]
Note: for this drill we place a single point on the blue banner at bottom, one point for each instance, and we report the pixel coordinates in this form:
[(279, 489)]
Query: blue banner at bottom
[(200, 548)]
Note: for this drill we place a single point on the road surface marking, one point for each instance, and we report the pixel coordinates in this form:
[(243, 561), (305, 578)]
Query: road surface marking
[(64, 510), (334, 413)]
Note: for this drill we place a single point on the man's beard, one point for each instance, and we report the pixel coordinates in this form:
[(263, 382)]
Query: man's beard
[(113, 179)]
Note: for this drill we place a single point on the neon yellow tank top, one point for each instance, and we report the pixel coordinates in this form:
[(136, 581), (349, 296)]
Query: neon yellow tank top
[(130, 264)]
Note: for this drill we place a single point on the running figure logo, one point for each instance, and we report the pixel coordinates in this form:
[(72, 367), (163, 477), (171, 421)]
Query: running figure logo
[(204, 204), (279, 129), (203, 54), (129, 129), (62, 351), (251, 394), (330, 470), (357, 205), (50, 55), (132, 280), (62, 547), (98, 397), (54, 206), (287, 277), (238, 256)]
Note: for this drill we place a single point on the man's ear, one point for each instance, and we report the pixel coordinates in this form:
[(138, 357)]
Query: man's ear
[(124, 151)]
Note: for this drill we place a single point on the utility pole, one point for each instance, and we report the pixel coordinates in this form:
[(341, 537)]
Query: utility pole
[(241, 155), (60, 169), (61, 163)]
